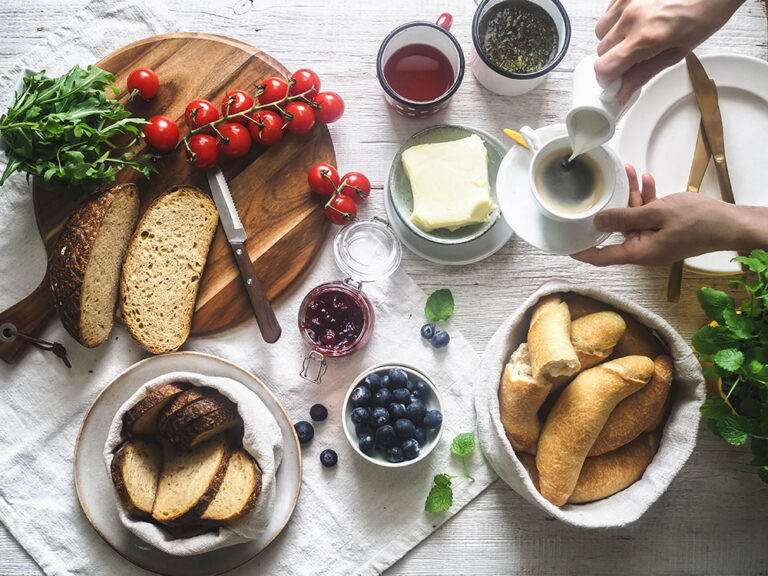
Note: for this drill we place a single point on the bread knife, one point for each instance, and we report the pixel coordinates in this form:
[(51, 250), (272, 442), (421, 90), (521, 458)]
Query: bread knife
[(236, 235)]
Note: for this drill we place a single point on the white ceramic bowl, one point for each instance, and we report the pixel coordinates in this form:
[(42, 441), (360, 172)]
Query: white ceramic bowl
[(434, 402)]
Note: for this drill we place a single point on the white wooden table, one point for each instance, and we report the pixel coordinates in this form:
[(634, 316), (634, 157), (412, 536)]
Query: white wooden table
[(714, 518)]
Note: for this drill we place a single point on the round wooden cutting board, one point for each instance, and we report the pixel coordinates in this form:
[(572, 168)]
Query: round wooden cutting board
[(283, 218)]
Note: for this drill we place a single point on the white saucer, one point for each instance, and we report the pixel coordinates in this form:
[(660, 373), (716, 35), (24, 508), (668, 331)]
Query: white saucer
[(658, 135), (520, 210), (450, 255), (97, 494)]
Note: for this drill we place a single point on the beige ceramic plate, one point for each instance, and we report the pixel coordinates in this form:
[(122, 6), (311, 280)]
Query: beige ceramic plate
[(97, 495)]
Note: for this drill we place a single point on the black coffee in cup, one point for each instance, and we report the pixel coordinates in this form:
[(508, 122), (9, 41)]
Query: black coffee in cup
[(569, 186)]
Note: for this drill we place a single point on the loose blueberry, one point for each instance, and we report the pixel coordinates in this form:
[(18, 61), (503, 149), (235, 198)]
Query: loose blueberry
[(401, 395), (385, 436), (395, 454), (304, 431), (382, 397), (328, 458), (409, 385), (364, 428), (404, 428), (398, 377), (361, 415), (433, 419), (373, 381), (318, 412), (415, 411), (421, 390), (365, 443), (413, 399), (396, 410), (427, 331), (420, 435), (385, 383), (379, 417), (410, 448), (361, 396), (440, 339)]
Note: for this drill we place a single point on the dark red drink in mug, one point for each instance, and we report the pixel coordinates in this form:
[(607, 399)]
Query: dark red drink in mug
[(420, 65)]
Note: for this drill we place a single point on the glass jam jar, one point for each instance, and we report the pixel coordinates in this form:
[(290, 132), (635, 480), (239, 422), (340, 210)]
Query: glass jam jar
[(336, 318)]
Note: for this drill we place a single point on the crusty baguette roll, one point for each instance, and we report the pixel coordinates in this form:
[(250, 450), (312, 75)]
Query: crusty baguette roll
[(549, 342), (603, 476), (86, 262), (638, 340), (638, 413), (520, 397), (580, 305), (593, 336), (577, 418)]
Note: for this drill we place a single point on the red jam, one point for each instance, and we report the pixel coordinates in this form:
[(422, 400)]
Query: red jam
[(333, 319)]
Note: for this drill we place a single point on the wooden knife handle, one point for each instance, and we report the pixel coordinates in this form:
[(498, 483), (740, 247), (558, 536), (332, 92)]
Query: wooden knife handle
[(262, 309), (27, 316), (675, 281)]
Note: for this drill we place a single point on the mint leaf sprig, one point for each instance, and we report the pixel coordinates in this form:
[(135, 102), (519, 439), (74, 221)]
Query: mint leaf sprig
[(734, 351), (439, 306), (440, 497)]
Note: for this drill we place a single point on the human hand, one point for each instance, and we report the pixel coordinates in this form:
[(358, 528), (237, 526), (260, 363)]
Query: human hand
[(639, 38), (662, 231)]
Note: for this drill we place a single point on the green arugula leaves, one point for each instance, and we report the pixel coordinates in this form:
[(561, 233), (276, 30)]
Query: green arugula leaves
[(67, 132), (440, 497), (736, 350)]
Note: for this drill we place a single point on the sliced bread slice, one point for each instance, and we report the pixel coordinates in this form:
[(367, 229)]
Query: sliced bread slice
[(187, 397), (177, 424), (190, 481), (238, 493), (86, 263), (205, 427), (142, 418), (135, 472), (163, 267)]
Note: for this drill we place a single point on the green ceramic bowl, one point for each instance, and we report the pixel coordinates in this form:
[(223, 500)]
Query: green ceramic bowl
[(399, 187)]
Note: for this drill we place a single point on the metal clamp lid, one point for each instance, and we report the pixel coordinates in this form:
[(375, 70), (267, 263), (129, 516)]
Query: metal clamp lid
[(312, 360)]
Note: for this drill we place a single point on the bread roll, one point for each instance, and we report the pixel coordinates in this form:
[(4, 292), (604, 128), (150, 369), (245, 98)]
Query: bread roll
[(593, 336), (549, 342), (520, 397), (638, 340), (603, 476), (577, 418), (582, 305), (640, 412)]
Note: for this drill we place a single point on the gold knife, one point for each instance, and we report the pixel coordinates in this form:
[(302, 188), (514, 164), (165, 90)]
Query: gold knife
[(706, 97), (701, 155)]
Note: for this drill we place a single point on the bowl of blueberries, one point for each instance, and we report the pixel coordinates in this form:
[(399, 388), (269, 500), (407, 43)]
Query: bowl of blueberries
[(393, 415)]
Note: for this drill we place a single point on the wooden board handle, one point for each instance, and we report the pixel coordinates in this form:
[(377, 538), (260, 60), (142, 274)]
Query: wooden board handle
[(27, 316), (262, 309)]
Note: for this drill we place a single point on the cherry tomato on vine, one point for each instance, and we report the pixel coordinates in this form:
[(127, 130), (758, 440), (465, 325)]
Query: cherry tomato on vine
[(356, 186), (238, 101), (270, 132), (331, 107), (205, 151), (143, 82), (161, 133), (199, 113), (301, 117), (236, 140), (305, 79), (323, 179), (341, 209), (275, 89)]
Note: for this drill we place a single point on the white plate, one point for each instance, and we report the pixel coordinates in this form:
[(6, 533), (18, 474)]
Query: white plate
[(658, 135), (451, 255), (521, 211), (97, 495)]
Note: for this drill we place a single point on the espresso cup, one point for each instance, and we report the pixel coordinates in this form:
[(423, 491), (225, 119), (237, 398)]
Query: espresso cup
[(436, 36), (542, 151)]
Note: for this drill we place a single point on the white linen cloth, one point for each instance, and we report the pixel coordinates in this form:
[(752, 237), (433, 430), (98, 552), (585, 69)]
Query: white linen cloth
[(355, 518), (677, 441), (262, 439)]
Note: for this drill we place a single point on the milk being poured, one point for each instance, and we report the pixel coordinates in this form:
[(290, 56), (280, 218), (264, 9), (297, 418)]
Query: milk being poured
[(587, 130)]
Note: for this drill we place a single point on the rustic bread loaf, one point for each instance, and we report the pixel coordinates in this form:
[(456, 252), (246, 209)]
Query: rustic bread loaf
[(190, 481), (204, 427), (135, 472), (142, 418), (187, 397), (86, 263), (163, 266), (594, 336), (212, 401), (520, 397), (238, 493)]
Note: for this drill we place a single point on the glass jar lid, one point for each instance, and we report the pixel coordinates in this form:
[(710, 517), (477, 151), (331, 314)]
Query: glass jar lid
[(367, 250)]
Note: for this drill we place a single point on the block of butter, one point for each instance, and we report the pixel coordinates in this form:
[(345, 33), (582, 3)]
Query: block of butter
[(449, 182)]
